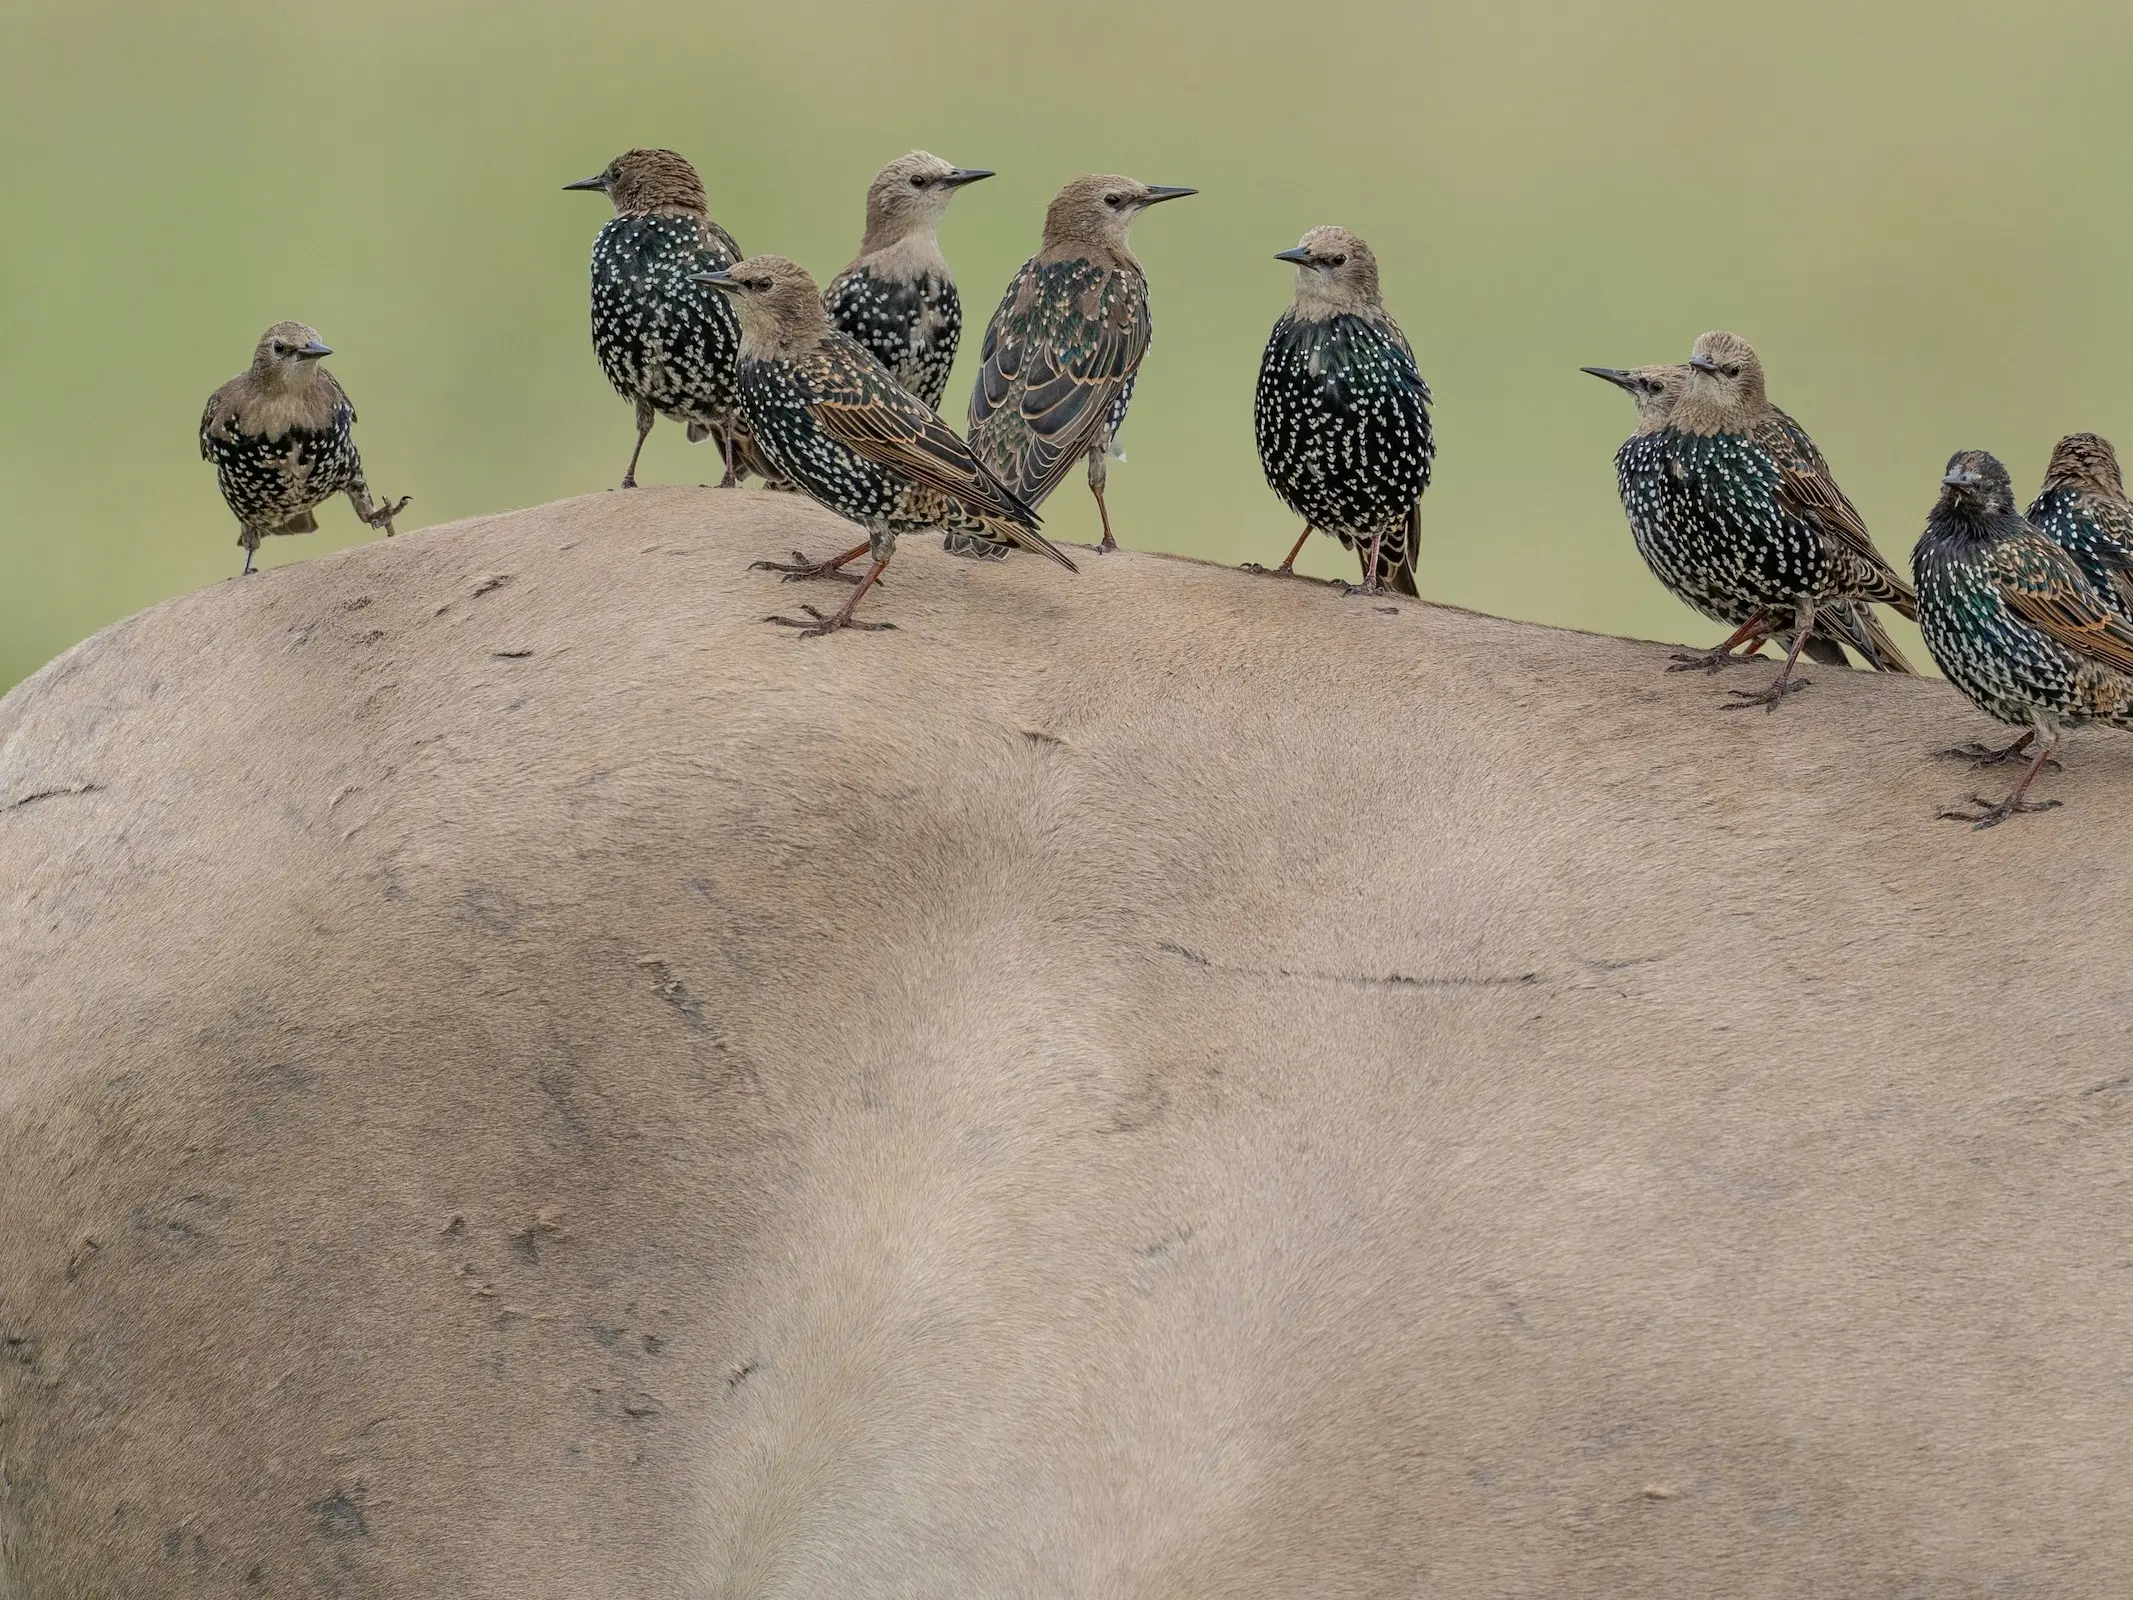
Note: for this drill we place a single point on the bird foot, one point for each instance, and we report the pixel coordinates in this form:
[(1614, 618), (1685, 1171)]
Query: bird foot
[(1985, 755), (800, 569), (381, 515), (1712, 661), (1367, 590), (1990, 814), (1766, 698), (818, 624), (1283, 571), (1109, 544)]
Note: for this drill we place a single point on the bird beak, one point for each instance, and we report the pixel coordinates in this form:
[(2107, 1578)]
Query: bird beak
[(1961, 478), (1614, 375), (1159, 192), (963, 175), (1300, 256), (1703, 363), (588, 183), (717, 280), (313, 350)]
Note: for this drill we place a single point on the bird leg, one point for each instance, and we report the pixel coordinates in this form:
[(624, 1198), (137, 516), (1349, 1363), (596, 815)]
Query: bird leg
[(1785, 683), (645, 415), (1751, 633), (1287, 569), (732, 479), (842, 618), (1097, 489), (799, 569), (1989, 815), (1370, 567), (1985, 755), (249, 539)]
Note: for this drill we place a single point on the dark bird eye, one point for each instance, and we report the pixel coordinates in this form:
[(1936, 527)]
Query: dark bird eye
[(1730, 371), (280, 349), (1338, 261), (919, 180), (1114, 201)]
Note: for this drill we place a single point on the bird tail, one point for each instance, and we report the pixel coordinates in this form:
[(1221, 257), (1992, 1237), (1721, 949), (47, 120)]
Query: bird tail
[(1026, 539), (1401, 579), (1853, 622)]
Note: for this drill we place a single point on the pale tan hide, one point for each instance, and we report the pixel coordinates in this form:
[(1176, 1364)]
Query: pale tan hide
[(519, 1080)]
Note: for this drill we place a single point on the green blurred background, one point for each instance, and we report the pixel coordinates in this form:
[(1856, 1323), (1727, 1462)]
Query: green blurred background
[(1916, 208)]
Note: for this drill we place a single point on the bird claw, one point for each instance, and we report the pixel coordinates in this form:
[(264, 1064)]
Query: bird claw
[(1766, 698), (382, 514), (800, 569), (1709, 661), (1985, 755), (1990, 814), (818, 625)]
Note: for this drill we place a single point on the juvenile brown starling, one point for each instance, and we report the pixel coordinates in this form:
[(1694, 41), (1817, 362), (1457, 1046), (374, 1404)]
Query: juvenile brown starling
[(897, 298), (665, 342), (828, 416), (282, 437), (2082, 509), (2015, 625), (1758, 516), (1641, 472), (1062, 351), (1342, 414)]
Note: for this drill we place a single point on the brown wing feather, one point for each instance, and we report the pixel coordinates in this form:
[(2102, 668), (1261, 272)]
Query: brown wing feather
[(1810, 491), (860, 406), (1053, 370), (2042, 586)]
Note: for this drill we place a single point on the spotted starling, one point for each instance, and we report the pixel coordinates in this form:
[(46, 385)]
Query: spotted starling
[(2082, 509), (828, 416), (665, 343), (1758, 515), (2015, 625), (1641, 472), (1342, 414), (896, 298), (1062, 352), (282, 437)]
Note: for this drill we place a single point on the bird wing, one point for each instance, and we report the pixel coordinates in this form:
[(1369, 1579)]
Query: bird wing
[(1058, 354), (2042, 586), (1808, 489), (718, 239), (214, 420), (859, 405)]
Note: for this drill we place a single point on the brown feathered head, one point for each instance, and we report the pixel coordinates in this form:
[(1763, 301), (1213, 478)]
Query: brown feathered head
[(644, 183)]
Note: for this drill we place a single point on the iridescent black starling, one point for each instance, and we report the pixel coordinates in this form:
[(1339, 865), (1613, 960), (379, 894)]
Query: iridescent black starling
[(896, 298), (1759, 518), (1642, 472), (2082, 509), (1062, 351), (282, 437), (1342, 413), (665, 342), (828, 416), (2015, 625)]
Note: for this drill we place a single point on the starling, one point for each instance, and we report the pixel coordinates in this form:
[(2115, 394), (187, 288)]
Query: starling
[(2082, 509), (2015, 625), (1342, 414), (826, 415), (896, 298), (282, 437), (1642, 475), (1062, 351), (666, 343), (1755, 511)]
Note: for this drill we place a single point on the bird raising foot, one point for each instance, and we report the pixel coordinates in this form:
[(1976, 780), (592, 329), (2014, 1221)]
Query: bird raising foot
[(1985, 755), (818, 624), (800, 569), (382, 514), (1746, 640)]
